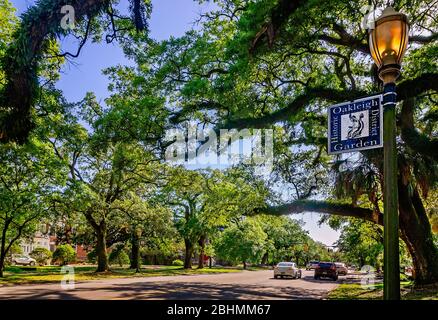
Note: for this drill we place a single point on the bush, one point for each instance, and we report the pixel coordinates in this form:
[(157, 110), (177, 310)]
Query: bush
[(119, 257), (41, 255), (177, 262), (64, 254), (91, 256)]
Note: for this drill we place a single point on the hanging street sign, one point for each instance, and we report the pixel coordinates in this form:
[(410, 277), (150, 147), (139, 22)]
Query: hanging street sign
[(355, 125)]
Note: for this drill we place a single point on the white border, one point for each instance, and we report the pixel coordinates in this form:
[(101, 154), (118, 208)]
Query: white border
[(349, 102)]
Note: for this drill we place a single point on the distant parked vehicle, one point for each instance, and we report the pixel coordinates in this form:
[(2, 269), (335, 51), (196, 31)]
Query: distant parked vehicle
[(312, 265), (287, 269), (409, 269), (23, 260), (326, 270), (342, 269)]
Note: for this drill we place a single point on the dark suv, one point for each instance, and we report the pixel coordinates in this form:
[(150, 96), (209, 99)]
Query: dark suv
[(326, 270)]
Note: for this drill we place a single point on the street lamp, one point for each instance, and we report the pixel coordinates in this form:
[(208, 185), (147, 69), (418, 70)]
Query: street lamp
[(388, 41)]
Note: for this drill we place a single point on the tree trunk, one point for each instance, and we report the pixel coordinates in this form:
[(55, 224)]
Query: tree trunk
[(361, 261), (415, 228), (3, 251), (297, 257), (135, 252), (416, 232), (244, 265), (265, 258), (189, 252), (2, 258), (2, 265), (102, 256), (201, 243)]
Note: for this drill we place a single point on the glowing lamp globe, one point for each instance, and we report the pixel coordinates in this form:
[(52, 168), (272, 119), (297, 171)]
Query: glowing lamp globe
[(388, 41)]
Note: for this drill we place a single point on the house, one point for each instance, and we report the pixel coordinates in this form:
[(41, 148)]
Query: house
[(41, 239), (44, 238)]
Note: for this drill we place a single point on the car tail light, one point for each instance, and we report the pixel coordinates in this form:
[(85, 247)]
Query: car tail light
[(333, 267)]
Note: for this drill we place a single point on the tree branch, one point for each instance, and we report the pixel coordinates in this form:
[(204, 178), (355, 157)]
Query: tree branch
[(345, 39), (339, 209), (406, 89), (294, 107), (424, 39), (279, 15), (414, 87), (416, 140)]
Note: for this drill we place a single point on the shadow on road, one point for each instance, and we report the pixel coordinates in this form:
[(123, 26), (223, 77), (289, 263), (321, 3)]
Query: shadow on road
[(174, 290), (341, 279)]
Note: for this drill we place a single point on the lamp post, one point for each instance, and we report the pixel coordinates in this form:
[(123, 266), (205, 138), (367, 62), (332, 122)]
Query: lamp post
[(388, 41)]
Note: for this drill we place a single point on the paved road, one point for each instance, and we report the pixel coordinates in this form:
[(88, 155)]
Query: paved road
[(242, 285)]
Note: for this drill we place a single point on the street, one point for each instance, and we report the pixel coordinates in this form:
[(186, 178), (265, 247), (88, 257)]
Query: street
[(241, 285)]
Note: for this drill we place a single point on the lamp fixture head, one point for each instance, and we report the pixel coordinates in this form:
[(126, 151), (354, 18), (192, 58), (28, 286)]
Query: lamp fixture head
[(388, 41)]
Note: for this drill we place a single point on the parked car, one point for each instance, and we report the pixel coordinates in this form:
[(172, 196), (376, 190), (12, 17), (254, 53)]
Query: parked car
[(352, 267), (23, 260), (287, 269), (326, 270), (312, 265), (408, 269), (342, 269)]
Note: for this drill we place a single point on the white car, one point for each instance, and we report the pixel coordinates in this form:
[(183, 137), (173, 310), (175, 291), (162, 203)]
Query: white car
[(312, 265), (287, 269), (23, 260)]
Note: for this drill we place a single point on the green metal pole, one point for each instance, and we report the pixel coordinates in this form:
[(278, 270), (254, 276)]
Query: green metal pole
[(391, 288)]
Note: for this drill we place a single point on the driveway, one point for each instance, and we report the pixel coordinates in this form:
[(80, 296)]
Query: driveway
[(241, 285)]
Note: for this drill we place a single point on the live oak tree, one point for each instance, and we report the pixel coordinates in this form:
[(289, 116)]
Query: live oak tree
[(29, 177), (362, 243), (32, 46), (280, 64), (230, 195), (149, 222), (30, 174), (204, 201), (110, 159), (103, 172), (184, 193), (266, 239), (286, 240), (243, 242), (272, 64)]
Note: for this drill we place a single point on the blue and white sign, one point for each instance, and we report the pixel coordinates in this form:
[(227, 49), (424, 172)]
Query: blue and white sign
[(355, 125)]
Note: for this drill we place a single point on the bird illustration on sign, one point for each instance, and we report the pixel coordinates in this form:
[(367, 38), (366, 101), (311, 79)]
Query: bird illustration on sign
[(356, 126)]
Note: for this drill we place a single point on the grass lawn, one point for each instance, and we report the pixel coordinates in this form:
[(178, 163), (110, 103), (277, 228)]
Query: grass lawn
[(354, 291), (25, 275)]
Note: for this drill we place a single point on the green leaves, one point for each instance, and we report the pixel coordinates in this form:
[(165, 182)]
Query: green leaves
[(243, 242), (362, 243), (205, 201), (30, 180)]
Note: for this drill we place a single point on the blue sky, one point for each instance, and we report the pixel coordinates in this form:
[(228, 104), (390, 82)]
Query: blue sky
[(169, 18)]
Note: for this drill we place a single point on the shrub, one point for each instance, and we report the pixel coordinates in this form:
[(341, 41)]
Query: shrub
[(64, 254), (177, 262), (92, 257), (41, 255), (119, 257)]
